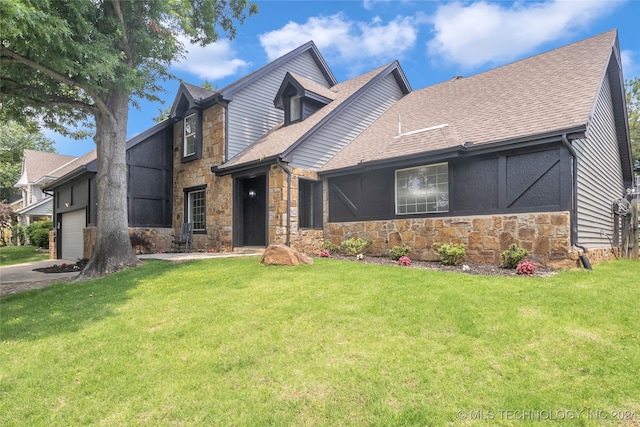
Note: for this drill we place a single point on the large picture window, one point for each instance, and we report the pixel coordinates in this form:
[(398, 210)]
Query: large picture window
[(196, 209), (424, 189), (190, 134)]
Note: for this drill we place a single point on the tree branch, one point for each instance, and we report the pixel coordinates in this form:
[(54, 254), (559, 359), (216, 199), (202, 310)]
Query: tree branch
[(55, 76), (48, 98), (123, 34)]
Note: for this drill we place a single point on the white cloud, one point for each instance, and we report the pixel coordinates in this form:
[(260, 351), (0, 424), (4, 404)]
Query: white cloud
[(479, 33), (210, 62), (629, 66), (344, 39)]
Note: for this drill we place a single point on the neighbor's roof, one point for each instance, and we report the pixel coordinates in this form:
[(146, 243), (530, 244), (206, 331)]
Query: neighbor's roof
[(549, 92), (38, 164), (279, 139)]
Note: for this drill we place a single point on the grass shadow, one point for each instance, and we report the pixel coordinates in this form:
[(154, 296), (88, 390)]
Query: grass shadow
[(67, 307)]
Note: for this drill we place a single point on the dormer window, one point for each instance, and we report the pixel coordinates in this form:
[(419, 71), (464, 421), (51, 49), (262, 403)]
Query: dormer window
[(295, 109), (300, 97)]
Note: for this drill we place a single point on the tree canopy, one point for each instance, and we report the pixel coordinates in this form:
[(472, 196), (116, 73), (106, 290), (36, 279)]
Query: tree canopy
[(14, 139), (84, 61), (633, 112)]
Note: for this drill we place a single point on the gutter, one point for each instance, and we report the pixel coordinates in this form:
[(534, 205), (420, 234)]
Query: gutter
[(574, 202), (288, 172)]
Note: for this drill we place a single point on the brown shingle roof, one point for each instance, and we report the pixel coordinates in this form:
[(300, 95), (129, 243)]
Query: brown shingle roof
[(39, 163), (549, 92), (282, 137)]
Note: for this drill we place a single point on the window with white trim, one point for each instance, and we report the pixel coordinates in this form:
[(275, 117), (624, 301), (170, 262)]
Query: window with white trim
[(190, 135), (196, 209), (423, 189)]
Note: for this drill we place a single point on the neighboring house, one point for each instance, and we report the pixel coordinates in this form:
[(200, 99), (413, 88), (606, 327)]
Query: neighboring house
[(39, 168), (531, 153)]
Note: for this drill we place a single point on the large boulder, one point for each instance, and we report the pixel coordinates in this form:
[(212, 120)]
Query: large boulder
[(284, 255)]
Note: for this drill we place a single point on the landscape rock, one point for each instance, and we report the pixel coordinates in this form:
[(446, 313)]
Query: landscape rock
[(284, 255)]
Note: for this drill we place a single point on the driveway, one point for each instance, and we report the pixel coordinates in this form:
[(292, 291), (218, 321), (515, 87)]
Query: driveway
[(21, 277)]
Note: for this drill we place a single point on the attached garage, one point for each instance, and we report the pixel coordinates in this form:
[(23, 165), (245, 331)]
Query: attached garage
[(72, 242)]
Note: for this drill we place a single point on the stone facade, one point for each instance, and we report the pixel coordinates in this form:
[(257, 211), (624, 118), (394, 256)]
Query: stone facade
[(159, 239), (301, 239), (545, 235), (219, 191)]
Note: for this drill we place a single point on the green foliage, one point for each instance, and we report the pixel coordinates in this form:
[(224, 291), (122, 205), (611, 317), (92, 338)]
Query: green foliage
[(14, 139), (19, 232), (331, 247), (513, 256), (399, 251), (38, 233), (355, 246), (632, 89), (451, 253)]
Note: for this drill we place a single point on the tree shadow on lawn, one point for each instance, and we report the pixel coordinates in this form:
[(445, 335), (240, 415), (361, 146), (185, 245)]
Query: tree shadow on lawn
[(69, 306)]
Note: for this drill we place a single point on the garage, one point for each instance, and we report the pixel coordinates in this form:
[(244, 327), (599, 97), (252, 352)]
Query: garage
[(72, 242)]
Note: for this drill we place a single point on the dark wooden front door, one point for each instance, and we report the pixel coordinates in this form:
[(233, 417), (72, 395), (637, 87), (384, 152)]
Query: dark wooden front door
[(253, 198)]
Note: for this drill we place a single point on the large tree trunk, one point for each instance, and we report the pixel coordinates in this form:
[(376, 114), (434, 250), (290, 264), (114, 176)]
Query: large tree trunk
[(113, 249)]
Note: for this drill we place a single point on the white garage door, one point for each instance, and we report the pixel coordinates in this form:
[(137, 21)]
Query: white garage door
[(72, 242)]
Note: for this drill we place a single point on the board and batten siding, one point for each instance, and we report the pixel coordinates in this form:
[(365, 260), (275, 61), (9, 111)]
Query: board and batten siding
[(353, 120), (251, 113), (600, 179)]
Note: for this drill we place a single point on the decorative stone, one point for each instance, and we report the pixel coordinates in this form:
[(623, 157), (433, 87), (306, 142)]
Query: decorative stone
[(284, 255)]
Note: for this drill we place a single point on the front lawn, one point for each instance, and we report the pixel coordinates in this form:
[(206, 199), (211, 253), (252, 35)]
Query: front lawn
[(11, 255), (232, 342)]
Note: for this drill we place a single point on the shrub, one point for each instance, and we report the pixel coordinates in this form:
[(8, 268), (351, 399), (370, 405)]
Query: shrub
[(404, 260), (38, 233), (325, 253), (19, 233), (526, 267), (140, 242), (451, 253), (355, 246), (331, 247), (398, 252), (513, 256)]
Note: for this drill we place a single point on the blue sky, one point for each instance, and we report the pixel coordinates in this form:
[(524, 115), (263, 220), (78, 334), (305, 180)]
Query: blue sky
[(433, 40)]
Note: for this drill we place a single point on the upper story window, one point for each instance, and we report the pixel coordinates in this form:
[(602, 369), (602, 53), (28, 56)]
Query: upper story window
[(295, 109), (423, 189), (190, 134), (191, 137)]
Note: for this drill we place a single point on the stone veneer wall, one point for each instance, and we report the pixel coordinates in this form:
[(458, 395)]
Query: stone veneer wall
[(303, 240), (53, 252), (159, 239), (219, 192), (545, 235)]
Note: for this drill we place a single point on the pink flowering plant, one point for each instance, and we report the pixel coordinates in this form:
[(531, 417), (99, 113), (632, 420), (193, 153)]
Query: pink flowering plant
[(325, 253), (404, 260), (526, 268)]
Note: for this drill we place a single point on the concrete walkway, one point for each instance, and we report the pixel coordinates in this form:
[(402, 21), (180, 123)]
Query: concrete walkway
[(21, 277)]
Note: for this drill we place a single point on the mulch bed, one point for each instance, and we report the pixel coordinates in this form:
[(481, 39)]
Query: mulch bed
[(467, 268), (64, 268)]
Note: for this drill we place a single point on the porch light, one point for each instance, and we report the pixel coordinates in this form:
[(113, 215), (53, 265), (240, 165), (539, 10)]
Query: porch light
[(252, 194)]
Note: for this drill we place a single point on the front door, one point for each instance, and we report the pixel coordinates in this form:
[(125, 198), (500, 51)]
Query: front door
[(251, 195)]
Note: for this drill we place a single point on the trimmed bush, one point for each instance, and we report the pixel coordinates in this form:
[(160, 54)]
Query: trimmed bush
[(38, 233), (513, 256), (331, 247), (451, 253), (355, 246), (398, 252)]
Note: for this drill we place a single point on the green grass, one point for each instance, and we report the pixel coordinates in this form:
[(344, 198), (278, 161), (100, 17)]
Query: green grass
[(11, 255), (232, 342)]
